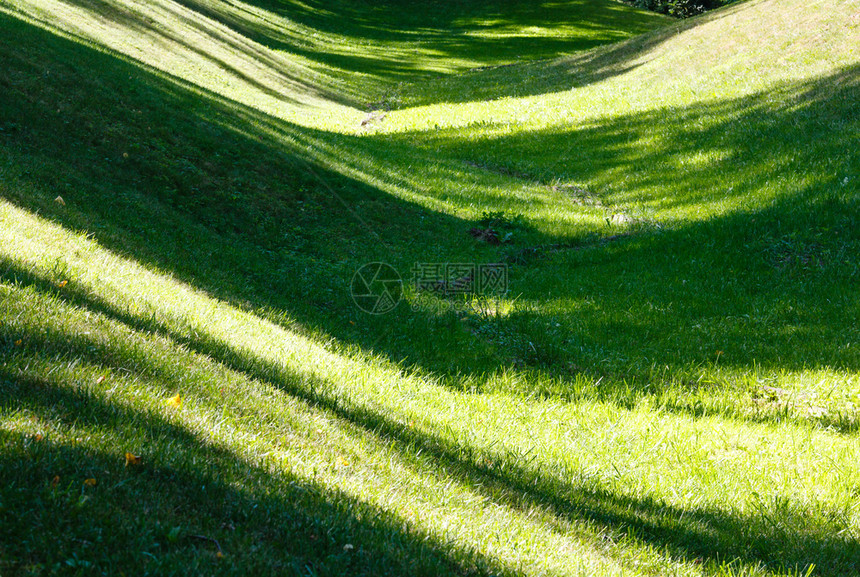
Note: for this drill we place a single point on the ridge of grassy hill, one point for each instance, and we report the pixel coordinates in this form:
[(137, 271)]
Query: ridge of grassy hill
[(313, 63), (670, 386)]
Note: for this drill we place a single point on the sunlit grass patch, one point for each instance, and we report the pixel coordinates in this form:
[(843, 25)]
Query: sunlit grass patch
[(668, 385), (343, 423)]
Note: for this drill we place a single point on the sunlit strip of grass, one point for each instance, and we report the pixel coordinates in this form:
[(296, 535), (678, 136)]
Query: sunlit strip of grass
[(443, 184), (311, 76), (739, 50), (186, 45), (642, 454), (377, 48), (693, 162), (256, 421)]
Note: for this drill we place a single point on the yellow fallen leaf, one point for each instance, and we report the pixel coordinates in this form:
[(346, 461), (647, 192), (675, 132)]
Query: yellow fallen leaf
[(55, 481), (18, 343), (132, 459), (63, 284), (90, 482), (175, 401), (219, 555), (38, 437), (59, 200)]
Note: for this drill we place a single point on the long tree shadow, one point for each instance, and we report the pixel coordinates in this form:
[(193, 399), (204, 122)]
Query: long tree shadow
[(713, 150), (781, 535), (212, 194), (786, 230)]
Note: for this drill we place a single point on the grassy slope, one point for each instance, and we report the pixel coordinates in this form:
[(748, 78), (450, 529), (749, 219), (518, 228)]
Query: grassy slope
[(223, 207), (699, 145)]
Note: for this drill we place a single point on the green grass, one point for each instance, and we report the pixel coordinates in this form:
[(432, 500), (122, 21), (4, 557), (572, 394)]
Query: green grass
[(668, 388)]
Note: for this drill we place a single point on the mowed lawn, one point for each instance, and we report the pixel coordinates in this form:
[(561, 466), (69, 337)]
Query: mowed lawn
[(668, 385)]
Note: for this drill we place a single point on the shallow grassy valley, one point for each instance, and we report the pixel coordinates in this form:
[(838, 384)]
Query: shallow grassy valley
[(667, 386)]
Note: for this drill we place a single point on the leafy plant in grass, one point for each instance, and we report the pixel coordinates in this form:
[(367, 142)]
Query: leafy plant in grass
[(501, 219)]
